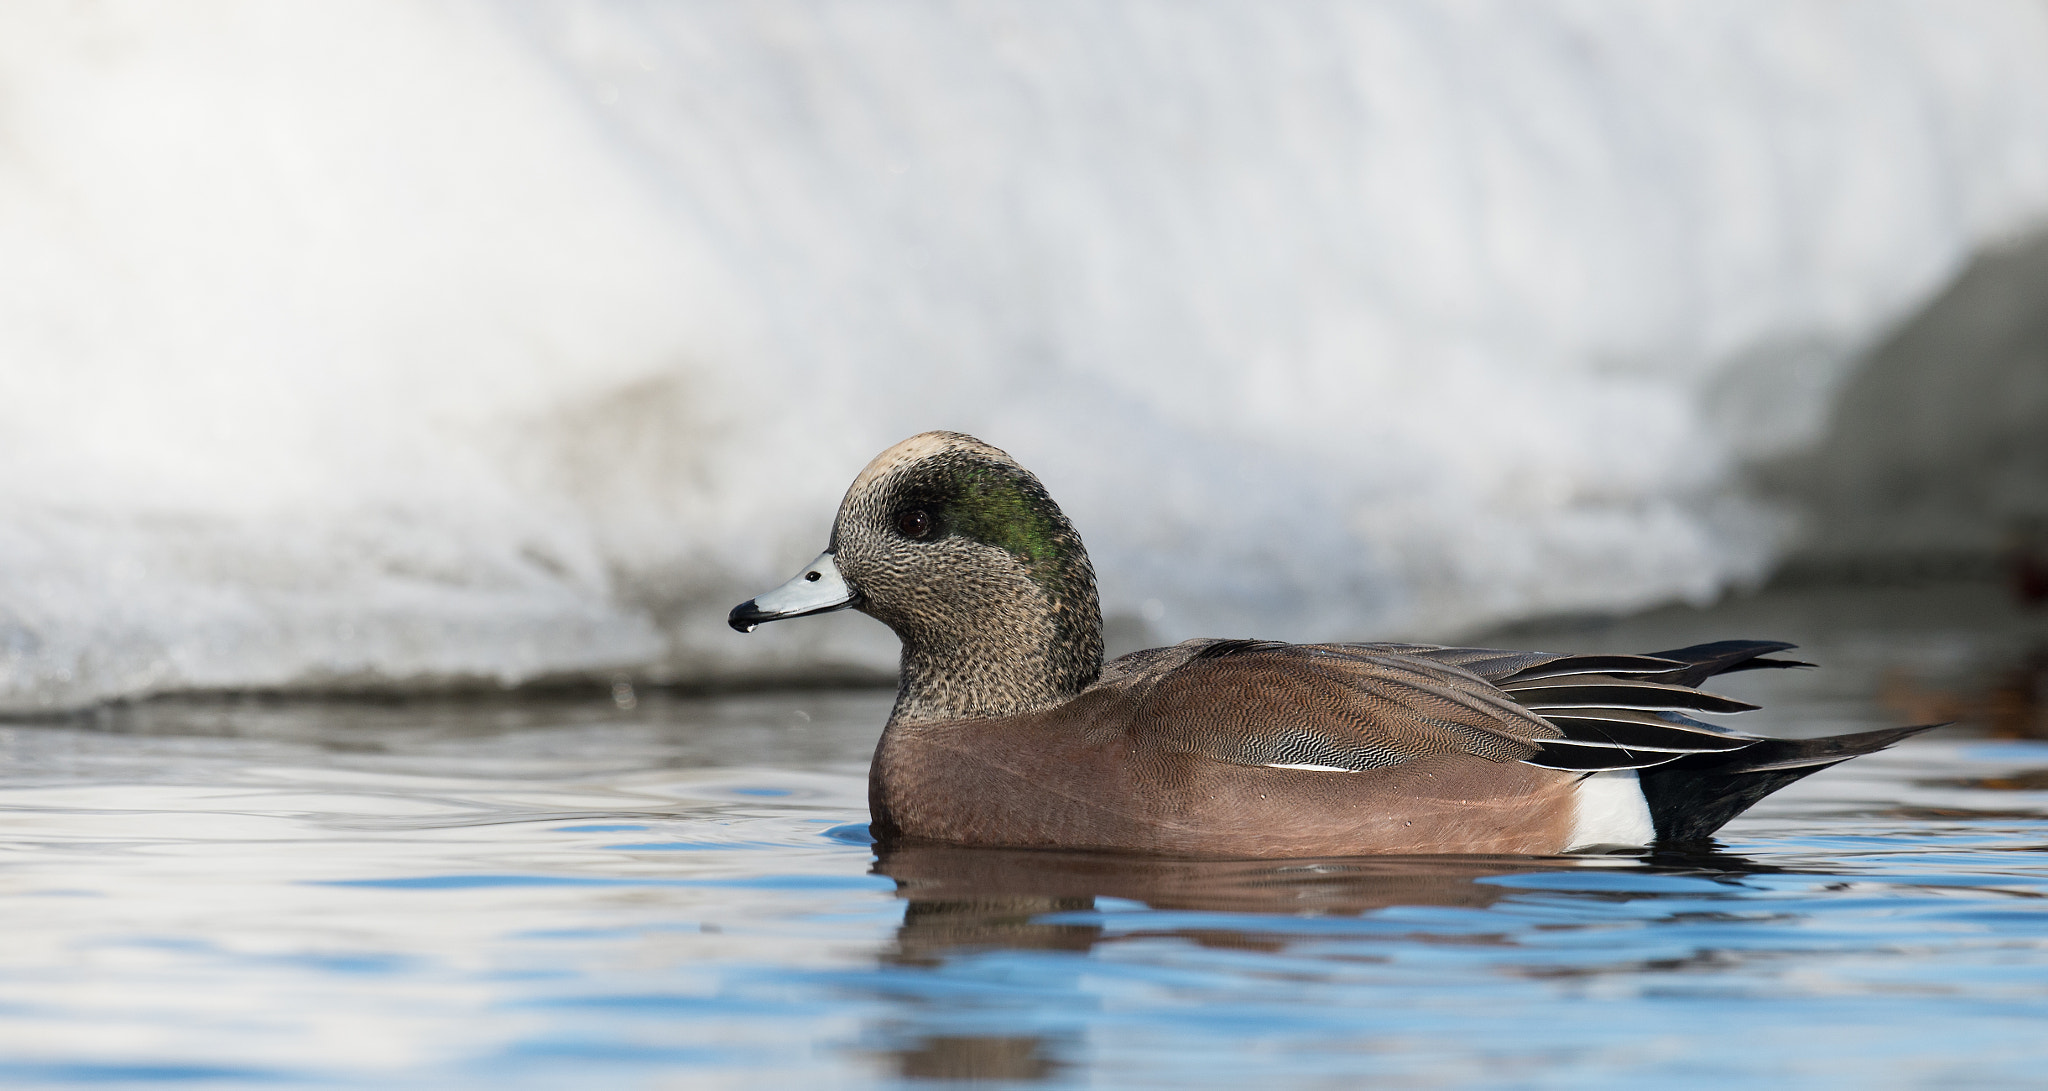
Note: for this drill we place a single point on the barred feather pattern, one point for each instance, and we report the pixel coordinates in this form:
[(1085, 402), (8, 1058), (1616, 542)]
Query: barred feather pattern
[(1323, 707), (1619, 711), (1356, 707)]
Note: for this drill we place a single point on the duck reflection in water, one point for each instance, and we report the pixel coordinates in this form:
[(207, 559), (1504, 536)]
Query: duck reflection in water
[(965, 901), (948, 885), (962, 897)]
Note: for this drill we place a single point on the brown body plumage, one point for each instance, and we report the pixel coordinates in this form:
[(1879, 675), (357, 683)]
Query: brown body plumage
[(1139, 761), (1009, 730)]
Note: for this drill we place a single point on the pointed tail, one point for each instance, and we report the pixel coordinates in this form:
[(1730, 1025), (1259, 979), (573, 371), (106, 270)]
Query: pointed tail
[(1692, 797)]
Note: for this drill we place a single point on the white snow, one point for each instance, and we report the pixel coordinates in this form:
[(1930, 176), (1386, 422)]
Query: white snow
[(408, 342)]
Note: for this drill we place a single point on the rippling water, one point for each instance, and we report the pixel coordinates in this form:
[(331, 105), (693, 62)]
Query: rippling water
[(573, 893)]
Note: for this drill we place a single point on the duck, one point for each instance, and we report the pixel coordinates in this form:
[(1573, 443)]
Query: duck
[(1010, 730)]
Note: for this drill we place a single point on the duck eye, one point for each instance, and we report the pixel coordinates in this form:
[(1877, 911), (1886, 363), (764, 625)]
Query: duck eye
[(915, 523)]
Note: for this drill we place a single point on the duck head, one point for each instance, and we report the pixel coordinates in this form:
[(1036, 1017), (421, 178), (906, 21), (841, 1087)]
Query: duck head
[(950, 543)]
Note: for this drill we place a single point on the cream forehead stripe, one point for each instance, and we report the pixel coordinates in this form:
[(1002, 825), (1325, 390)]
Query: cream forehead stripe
[(920, 446)]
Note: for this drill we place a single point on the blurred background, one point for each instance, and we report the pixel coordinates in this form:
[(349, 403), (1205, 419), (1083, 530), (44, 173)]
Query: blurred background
[(415, 346)]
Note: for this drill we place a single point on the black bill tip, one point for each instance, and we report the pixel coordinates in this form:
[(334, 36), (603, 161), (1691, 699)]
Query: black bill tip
[(746, 617)]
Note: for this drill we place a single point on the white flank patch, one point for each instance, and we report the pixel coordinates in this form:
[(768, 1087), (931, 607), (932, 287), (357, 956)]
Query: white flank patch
[(1309, 767), (1612, 813)]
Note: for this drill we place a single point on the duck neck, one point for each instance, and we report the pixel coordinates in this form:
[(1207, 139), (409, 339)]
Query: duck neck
[(1027, 653)]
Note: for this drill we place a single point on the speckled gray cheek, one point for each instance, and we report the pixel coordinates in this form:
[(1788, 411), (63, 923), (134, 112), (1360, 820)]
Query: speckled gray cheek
[(983, 634)]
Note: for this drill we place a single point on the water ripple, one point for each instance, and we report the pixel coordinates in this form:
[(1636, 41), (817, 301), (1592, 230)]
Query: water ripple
[(259, 914)]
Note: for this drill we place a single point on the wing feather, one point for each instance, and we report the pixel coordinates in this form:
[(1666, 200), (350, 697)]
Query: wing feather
[(1355, 707), (1330, 707)]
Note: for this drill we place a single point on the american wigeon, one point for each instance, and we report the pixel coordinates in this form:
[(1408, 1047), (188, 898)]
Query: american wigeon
[(1010, 730)]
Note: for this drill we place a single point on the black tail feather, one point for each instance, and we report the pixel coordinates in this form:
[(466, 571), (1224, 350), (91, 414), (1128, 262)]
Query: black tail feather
[(1630, 712), (1692, 797), (1703, 661)]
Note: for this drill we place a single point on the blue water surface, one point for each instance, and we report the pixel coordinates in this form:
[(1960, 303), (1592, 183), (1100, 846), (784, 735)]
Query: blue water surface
[(551, 894)]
